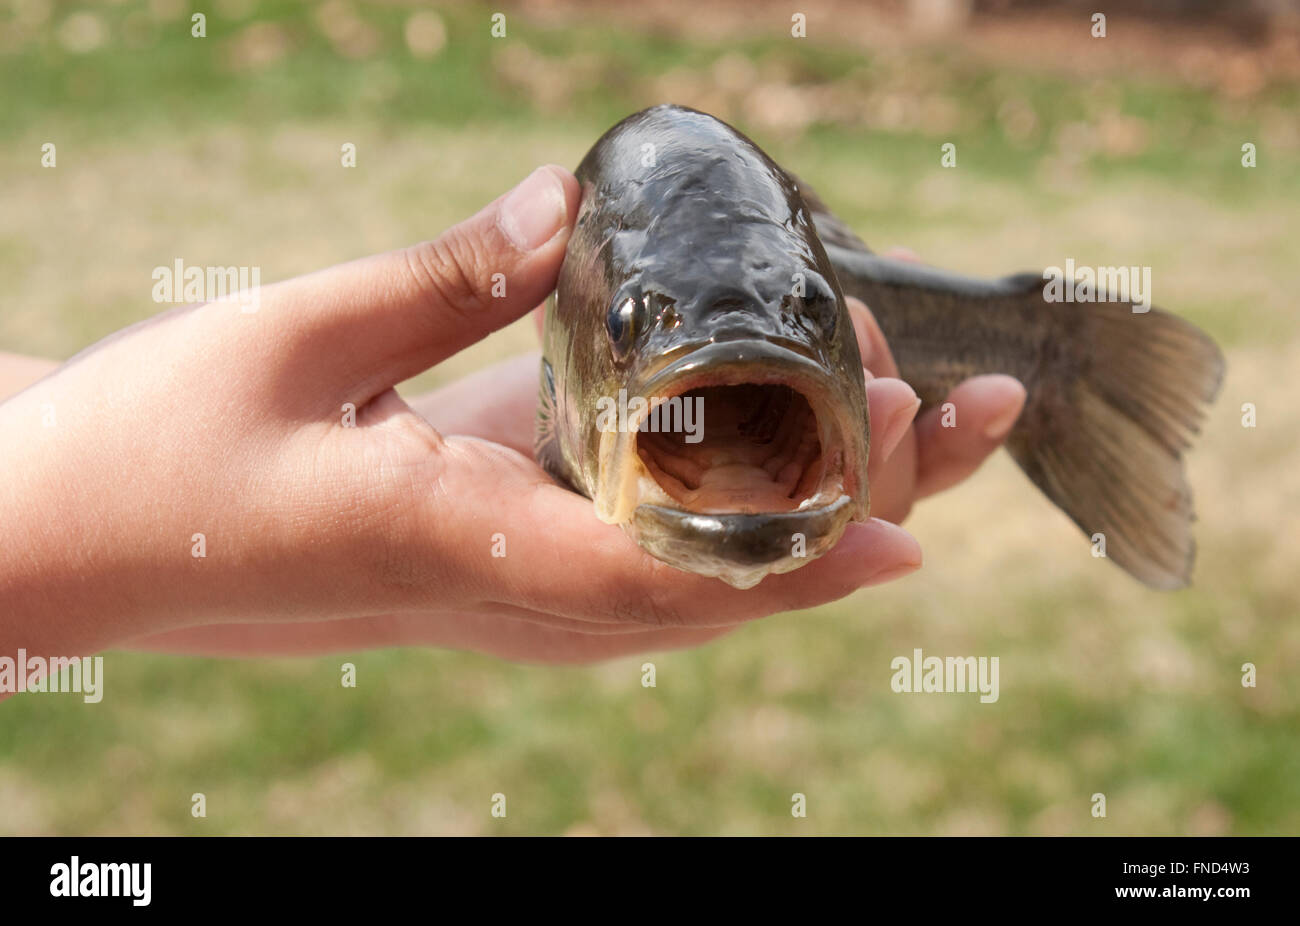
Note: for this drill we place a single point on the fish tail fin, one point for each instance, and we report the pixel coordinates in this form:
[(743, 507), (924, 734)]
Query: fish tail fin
[(1116, 393), (1119, 398)]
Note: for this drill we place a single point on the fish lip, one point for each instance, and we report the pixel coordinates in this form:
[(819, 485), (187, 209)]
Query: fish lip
[(730, 354), (733, 362), (740, 548), (739, 524)]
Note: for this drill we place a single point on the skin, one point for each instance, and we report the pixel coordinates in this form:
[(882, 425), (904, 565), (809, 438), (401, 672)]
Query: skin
[(322, 537)]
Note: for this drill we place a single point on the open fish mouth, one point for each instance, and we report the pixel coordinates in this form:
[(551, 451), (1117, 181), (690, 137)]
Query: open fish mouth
[(745, 458), (761, 451)]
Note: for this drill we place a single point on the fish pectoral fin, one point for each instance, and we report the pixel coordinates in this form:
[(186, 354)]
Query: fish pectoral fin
[(546, 448)]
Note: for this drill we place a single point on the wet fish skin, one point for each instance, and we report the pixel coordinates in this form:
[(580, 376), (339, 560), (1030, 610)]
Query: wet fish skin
[(712, 242), (1114, 396)]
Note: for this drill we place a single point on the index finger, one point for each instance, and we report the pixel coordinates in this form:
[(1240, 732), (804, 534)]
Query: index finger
[(876, 356)]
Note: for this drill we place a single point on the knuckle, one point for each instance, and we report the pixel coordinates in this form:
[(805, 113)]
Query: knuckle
[(650, 603), (446, 271)]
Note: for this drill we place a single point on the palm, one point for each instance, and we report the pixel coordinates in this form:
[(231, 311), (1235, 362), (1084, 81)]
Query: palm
[(498, 403)]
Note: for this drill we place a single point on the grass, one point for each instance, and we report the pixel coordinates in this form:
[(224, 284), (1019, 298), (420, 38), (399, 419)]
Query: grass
[(167, 146)]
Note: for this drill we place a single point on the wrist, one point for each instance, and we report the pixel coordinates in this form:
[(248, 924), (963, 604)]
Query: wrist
[(58, 593)]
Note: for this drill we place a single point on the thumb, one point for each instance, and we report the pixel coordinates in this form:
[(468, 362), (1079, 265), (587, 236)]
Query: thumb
[(383, 319)]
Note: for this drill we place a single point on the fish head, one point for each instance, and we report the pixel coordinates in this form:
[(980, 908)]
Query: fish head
[(723, 414)]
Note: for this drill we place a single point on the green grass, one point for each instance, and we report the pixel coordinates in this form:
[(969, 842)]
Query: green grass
[(164, 149)]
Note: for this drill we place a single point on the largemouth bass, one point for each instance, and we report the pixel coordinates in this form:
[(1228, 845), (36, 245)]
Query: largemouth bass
[(703, 278)]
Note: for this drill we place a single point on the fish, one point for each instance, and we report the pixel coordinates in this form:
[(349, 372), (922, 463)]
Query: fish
[(701, 380)]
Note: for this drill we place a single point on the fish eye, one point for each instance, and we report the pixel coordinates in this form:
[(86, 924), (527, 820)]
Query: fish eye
[(622, 324), (819, 305)]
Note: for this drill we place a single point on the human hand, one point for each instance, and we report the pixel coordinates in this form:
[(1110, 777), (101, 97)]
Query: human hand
[(499, 404), (216, 422)]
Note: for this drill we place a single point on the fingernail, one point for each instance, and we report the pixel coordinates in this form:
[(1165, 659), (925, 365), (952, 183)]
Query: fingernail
[(888, 575), (534, 211), (1000, 425), (896, 427), (899, 538)]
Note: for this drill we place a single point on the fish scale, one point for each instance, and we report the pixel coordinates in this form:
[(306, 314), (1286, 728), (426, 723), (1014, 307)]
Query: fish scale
[(707, 267)]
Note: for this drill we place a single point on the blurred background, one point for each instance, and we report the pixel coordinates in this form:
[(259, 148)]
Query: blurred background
[(1127, 149)]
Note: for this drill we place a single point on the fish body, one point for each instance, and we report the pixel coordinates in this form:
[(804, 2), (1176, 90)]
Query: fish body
[(701, 277)]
